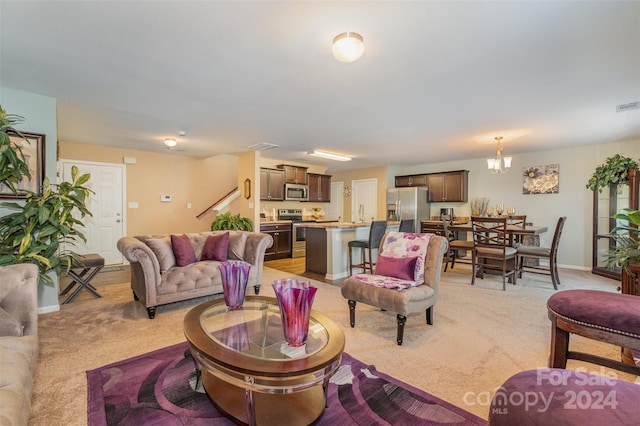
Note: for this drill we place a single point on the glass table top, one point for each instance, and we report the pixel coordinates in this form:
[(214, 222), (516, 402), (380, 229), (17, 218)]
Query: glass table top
[(255, 330)]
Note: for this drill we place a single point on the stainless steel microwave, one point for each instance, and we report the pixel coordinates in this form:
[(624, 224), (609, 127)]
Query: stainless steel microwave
[(296, 192)]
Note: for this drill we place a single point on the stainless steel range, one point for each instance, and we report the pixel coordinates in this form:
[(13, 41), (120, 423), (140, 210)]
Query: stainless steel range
[(298, 231)]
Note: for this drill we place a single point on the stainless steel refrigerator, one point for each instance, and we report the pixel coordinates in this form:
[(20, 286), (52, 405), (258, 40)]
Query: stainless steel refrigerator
[(408, 203)]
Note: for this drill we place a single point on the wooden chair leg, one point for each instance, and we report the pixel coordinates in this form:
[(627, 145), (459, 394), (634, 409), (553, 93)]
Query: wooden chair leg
[(401, 322), (350, 261), (352, 313), (559, 346)]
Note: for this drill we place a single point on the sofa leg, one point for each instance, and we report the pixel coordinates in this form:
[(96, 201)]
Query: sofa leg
[(430, 315), (256, 289), (352, 313), (135, 296), (401, 321), (151, 311)]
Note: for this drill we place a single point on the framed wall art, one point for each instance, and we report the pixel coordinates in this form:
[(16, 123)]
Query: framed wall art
[(33, 149), (541, 179)]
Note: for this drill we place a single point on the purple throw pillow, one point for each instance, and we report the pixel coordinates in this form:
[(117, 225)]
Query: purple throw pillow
[(216, 247), (397, 267), (182, 250)]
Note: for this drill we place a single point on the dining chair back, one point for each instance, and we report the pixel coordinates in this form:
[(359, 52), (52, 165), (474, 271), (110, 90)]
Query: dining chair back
[(406, 225), (455, 245), (519, 221), (492, 252), (547, 253), (376, 232)]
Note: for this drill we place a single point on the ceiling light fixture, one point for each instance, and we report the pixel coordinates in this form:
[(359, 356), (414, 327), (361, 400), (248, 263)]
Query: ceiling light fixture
[(329, 155), (495, 165), (170, 142), (347, 47)]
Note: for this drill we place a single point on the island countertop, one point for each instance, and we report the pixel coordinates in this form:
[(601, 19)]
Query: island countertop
[(343, 225)]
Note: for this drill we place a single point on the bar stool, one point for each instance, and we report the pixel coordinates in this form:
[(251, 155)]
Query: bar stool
[(406, 225), (82, 272), (376, 232)]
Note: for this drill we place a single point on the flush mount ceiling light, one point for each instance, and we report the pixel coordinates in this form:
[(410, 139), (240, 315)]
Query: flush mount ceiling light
[(170, 142), (496, 164), (347, 47), (329, 155)]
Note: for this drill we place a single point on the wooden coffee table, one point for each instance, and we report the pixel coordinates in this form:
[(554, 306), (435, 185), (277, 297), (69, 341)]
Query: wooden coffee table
[(250, 373)]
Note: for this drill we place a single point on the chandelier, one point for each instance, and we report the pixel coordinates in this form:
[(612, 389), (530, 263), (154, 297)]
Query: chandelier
[(499, 164)]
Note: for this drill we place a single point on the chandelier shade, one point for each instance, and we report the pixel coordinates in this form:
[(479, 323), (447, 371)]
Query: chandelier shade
[(499, 164)]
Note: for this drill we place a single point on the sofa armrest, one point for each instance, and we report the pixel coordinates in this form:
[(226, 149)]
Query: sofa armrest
[(19, 300), (254, 250), (135, 251)]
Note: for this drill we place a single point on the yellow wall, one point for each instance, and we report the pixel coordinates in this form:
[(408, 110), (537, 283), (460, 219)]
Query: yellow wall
[(200, 182), (380, 173)]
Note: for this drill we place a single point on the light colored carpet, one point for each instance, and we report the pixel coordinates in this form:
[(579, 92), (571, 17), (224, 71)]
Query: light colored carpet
[(480, 337)]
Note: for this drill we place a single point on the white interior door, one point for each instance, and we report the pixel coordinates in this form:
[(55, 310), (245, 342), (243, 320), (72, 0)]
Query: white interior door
[(364, 198), (335, 209), (107, 224)]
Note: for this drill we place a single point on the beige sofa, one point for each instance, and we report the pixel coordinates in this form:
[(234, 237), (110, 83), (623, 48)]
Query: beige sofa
[(18, 341), (157, 280)]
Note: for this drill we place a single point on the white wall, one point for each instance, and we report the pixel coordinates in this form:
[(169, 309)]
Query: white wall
[(39, 113), (573, 200)]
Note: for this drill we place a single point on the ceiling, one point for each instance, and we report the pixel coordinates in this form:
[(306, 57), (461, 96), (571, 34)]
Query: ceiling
[(438, 80)]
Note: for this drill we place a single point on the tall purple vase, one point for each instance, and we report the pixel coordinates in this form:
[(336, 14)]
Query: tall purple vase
[(294, 300), (235, 275)]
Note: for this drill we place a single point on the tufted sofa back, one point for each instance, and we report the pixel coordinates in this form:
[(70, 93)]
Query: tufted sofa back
[(19, 300)]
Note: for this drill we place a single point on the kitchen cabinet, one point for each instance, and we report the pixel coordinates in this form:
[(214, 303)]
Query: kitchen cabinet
[(319, 187), (411, 180), (271, 184), (449, 187), (294, 174), (281, 234), (610, 201)]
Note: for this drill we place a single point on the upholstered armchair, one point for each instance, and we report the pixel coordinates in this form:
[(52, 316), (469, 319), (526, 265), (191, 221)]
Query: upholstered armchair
[(405, 280)]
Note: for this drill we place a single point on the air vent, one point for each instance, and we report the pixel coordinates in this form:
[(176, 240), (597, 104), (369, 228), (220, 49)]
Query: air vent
[(262, 146), (628, 107)]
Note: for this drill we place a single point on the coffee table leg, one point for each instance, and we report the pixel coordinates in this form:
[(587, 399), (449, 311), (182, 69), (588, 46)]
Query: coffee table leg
[(248, 401)]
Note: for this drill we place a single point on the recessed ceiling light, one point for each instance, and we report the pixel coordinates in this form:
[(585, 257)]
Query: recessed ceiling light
[(170, 142), (329, 155)]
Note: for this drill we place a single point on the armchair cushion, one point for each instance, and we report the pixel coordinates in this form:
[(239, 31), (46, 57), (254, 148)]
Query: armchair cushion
[(408, 244), (183, 250), (216, 247), (384, 281), (397, 267)]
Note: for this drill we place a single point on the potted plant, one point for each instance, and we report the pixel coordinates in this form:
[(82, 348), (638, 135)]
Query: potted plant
[(627, 249), (612, 172), (44, 226), (226, 221)]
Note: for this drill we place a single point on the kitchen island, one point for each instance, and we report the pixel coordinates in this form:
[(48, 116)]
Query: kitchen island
[(327, 246)]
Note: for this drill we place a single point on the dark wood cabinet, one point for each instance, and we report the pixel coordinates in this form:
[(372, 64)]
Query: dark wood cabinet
[(271, 184), (294, 174), (281, 234), (319, 187), (607, 203), (449, 187), (411, 180)]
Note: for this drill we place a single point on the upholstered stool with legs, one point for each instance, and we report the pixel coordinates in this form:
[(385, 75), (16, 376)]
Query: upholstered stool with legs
[(553, 396), (81, 274), (599, 315)]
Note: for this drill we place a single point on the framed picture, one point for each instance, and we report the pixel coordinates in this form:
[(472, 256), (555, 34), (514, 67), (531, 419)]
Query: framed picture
[(541, 179), (34, 155)]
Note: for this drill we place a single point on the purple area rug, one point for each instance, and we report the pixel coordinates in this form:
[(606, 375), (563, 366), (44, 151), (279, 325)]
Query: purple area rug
[(157, 388)]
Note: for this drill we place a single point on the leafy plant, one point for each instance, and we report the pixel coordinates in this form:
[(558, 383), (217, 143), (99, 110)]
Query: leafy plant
[(39, 230), (226, 221), (627, 242), (612, 172), (13, 165)]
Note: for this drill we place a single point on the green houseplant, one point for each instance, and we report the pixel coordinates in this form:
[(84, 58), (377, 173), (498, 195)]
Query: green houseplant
[(627, 249), (612, 172), (226, 221), (43, 226)]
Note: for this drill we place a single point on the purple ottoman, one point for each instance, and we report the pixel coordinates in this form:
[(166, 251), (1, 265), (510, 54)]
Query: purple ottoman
[(553, 396), (608, 317)]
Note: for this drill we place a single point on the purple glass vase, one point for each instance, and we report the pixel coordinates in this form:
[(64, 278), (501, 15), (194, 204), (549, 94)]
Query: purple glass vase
[(294, 300), (235, 275)]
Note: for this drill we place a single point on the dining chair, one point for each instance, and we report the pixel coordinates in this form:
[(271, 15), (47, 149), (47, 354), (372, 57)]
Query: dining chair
[(491, 250), (406, 225), (519, 221), (549, 254), (376, 232), (455, 244)]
